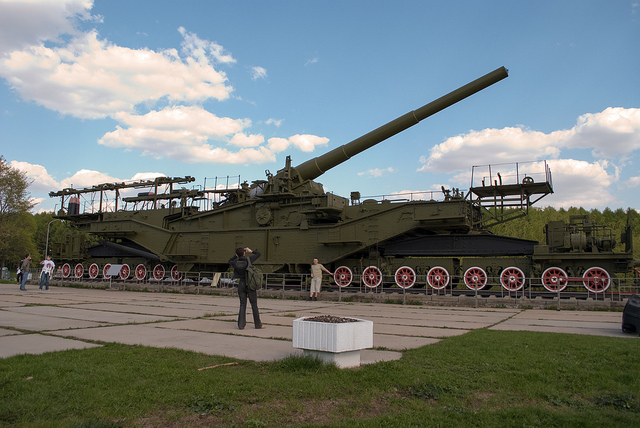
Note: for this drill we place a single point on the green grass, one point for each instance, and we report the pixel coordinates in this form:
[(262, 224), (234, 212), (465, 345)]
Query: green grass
[(481, 379)]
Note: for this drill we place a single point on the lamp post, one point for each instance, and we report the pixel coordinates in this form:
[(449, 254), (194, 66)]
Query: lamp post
[(46, 247)]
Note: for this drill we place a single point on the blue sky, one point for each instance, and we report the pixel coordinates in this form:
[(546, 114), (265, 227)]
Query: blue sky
[(105, 91)]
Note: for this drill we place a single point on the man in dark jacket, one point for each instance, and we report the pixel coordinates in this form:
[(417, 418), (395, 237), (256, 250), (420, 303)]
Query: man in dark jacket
[(240, 263), (25, 267)]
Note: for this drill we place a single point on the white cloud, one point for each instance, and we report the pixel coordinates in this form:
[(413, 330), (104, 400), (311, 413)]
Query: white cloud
[(377, 172), (579, 183), (306, 142), (87, 178), (91, 78), (203, 51), (633, 181), (206, 153), (88, 77), (612, 135), (277, 144), (258, 73), (484, 147), (612, 132), (26, 23), (243, 140), (173, 133), (276, 122), (42, 181)]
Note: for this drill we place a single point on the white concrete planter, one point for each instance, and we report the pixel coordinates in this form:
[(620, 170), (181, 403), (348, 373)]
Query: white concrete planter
[(338, 343)]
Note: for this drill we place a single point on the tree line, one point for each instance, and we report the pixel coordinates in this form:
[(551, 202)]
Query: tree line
[(532, 225)]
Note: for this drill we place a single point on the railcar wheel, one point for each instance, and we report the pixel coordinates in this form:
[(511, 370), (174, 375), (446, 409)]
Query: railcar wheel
[(158, 272), (141, 272), (372, 277), (175, 275), (554, 279), (596, 279), (78, 271), (512, 278), (125, 271), (438, 277), (405, 277), (94, 270), (66, 270), (105, 269), (475, 278), (343, 276)]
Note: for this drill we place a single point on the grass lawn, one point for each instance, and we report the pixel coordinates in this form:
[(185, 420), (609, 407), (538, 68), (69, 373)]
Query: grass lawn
[(483, 378)]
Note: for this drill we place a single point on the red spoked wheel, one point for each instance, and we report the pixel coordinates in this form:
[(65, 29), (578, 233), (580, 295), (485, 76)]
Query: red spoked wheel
[(141, 272), (372, 277), (343, 276), (554, 279), (158, 272), (66, 270), (438, 277), (94, 270), (475, 278), (105, 269), (512, 278), (596, 279), (405, 277), (78, 271), (125, 271), (175, 275)]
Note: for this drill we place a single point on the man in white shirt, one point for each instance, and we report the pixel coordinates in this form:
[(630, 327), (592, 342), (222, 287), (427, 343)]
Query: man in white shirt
[(47, 268)]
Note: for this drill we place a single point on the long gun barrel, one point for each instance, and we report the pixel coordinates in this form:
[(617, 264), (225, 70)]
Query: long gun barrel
[(315, 167)]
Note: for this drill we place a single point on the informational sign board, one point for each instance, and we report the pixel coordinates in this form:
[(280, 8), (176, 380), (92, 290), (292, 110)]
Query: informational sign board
[(114, 270)]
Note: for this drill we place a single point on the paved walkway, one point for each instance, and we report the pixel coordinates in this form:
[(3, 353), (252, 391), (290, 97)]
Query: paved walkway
[(34, 322)]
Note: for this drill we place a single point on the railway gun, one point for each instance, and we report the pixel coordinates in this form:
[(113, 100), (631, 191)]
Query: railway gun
[(166, 227)]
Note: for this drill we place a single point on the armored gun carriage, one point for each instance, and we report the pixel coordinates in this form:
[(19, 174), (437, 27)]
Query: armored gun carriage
[(166, 230)]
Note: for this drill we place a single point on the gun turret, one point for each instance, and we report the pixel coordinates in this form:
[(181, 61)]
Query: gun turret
[(315, 167)]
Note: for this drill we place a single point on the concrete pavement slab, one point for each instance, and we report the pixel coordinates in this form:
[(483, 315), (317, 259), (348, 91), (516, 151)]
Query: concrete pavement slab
[(39, 322), (417, 331), (8, 332), (158, 308), (38, 344), (89, 315), (610, 329), (207, 323), (233, 346), (574, 322), (370, 356), (400, 343), (598, 316)]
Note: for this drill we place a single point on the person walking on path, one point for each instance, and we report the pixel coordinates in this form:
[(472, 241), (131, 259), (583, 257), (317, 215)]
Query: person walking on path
[(25, 266), (239, 263), (316, 278), (47, 270)]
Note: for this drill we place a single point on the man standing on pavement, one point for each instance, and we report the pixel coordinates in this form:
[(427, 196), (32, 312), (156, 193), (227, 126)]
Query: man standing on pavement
[(239, 262), (25, 267), (316, 278), (47, 269)]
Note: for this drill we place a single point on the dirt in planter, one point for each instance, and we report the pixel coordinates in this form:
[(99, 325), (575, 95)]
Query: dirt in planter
[(331, 319)]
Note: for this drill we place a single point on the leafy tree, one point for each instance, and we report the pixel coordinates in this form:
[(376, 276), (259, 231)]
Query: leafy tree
[(16, 224)]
